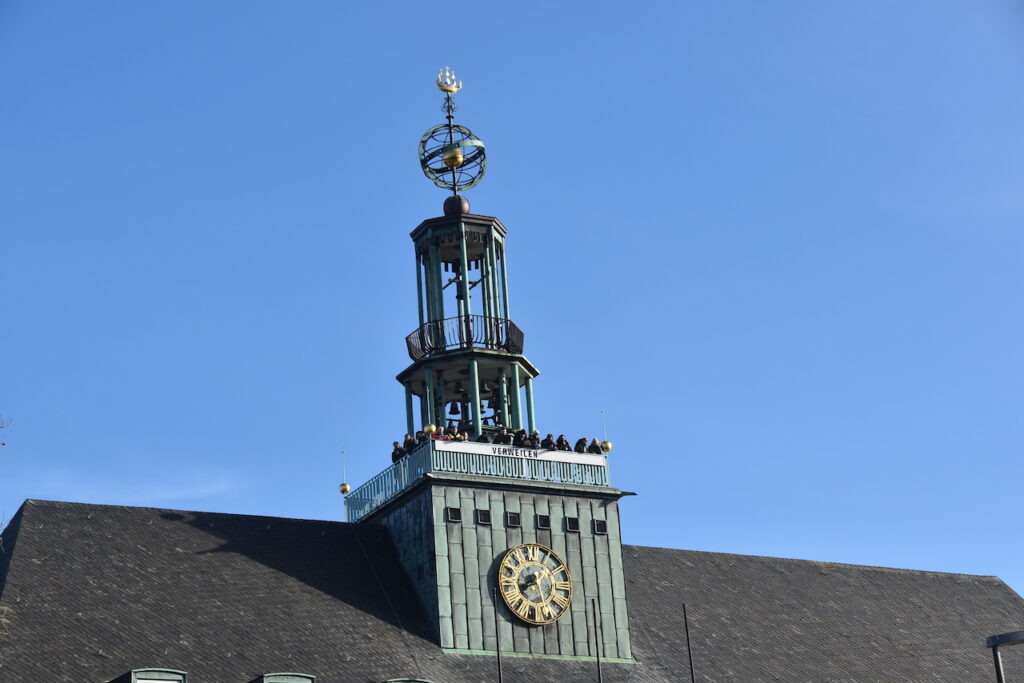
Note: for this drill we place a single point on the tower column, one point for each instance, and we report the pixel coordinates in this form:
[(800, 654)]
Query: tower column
[(517, 407), (467, 325), (504, 285), (530, 420), (428, 394), (485, 284), (492, 278), (419, 288), (506, 421), (474, 394), (438, 278), (440, 402), (410, 425)]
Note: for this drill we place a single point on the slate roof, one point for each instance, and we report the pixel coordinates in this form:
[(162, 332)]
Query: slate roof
[(90, 591)]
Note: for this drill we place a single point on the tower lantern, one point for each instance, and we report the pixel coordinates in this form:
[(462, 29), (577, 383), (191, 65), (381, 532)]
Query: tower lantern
[(468, 366)]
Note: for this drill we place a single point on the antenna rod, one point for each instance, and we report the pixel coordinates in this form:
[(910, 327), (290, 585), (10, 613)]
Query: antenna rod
[(689, 652)]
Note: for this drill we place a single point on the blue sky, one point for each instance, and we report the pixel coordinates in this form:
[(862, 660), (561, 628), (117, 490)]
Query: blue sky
[(779, 243)]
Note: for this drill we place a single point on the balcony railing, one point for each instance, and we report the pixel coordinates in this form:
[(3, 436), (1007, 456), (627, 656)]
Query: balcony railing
[(462, 332), (559, 467)]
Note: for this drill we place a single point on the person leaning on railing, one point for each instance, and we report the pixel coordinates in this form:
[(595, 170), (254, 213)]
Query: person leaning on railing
[(594, 447), (503, 437), (581, 445), (409, 444), (398, 452), (548, 443), (563, 443)]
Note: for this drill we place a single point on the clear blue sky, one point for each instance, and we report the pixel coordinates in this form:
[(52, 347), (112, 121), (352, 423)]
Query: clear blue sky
[(779, 243)]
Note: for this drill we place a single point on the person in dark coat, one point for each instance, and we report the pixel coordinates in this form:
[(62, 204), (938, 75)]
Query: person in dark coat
[(581, 445), (409, 444), (503, 437), (519, 439), (563, 443), (548, 443), (398, 452), (535, 439), (483, 438), (421, 437), (594, 447)]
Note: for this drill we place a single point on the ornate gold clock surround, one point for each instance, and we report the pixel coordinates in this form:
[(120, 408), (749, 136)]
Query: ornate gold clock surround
[(535, 583)]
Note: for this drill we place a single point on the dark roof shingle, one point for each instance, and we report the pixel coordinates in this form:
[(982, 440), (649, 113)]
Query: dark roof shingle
[(94, 590)]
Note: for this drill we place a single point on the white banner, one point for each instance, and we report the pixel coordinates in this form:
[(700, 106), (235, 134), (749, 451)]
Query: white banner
[(524, 453)]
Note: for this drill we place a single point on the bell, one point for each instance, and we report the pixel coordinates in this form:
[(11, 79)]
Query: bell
[(454, 409), (459, 389)]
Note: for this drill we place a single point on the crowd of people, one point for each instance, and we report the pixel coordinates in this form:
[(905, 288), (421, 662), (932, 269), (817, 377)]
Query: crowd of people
[(517, 438)]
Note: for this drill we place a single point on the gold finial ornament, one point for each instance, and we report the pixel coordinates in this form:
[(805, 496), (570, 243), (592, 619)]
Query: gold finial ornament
[(430, 428), (446, 81), (344, 489), (606, 446)]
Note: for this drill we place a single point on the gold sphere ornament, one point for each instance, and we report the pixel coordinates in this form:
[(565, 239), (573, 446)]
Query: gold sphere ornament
[(453, 158), (430, 428), (344, 489), (606, 446)]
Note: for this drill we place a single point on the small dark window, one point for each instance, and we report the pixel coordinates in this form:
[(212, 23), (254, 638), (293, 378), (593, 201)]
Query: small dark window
[(512, 519), (454, 514), (543, 521), (600, 526), (483, 516), (572, 524)]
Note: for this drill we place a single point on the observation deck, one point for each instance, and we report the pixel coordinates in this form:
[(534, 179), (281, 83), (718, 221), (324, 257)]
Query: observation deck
[(461, 457), (465, 332)]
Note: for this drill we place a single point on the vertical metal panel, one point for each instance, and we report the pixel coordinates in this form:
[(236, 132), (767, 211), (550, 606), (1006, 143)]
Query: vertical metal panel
[(618, 581)]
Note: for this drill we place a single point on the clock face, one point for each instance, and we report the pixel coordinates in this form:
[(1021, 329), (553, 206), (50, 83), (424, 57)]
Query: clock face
[(535, 583)]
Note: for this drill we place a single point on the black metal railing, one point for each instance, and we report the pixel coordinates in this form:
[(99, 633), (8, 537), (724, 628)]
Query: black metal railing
[(463, 332)]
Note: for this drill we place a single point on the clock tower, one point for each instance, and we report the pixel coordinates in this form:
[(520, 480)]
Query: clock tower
[(513, 548)]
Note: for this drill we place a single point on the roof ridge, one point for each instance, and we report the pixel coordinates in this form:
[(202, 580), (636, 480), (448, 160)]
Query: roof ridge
[(818, 562), (66, 503)]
